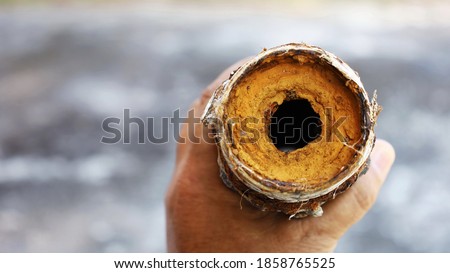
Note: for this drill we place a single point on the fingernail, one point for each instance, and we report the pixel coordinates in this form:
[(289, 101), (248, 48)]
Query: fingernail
[(383, 156)]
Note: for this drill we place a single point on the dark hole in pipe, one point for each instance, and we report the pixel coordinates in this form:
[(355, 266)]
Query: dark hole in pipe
[(294, 124)]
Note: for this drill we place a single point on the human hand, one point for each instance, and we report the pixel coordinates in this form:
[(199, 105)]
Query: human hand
[(203, 215)]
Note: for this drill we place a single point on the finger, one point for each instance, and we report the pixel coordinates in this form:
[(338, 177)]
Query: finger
[(350, 207), (207, 93), (193, 131)]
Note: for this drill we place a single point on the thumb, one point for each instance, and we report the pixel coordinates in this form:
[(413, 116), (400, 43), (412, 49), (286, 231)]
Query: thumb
[(350, 207)]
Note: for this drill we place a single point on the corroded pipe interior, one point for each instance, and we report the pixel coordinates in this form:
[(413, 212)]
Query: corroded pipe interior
[(310, 129), (284, 82)]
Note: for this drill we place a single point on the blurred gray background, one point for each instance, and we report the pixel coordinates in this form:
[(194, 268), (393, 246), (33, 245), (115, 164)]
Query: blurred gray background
[(67, 65)]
